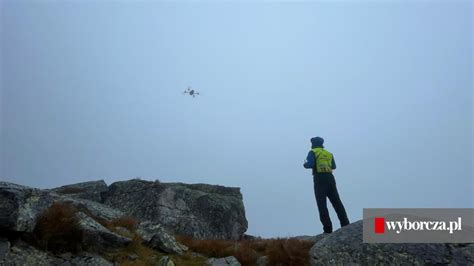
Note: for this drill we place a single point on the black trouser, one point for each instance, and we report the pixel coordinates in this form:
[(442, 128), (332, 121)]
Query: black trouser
[(325, 186)]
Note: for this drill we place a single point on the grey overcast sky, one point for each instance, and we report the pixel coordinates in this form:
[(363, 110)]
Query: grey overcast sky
[(93, 90)]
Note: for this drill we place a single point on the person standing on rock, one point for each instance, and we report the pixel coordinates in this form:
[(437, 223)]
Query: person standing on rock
[(322, 162)]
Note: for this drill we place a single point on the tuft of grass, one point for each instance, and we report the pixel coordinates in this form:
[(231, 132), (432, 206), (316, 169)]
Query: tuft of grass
[(246, 254), (188, 260), (280, 251), (57, 229), (145, 255), (291, 252), (209, 247)]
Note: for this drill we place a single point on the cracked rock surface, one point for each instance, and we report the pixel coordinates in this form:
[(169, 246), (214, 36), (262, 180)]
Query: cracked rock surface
[(199, 210), (345, 247)]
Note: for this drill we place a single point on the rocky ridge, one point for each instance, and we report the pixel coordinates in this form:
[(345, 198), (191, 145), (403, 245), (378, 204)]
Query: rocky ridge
[(162, 210), (198, 210), (345, 247), (21, 208)]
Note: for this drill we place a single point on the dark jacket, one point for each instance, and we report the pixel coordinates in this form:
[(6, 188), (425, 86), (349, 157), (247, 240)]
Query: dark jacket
[(311, 161)]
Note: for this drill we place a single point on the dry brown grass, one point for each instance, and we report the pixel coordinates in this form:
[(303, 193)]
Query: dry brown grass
[(245, 253), (57, 229), (211, 247), (282, 251), (291, 252), (145, 255)]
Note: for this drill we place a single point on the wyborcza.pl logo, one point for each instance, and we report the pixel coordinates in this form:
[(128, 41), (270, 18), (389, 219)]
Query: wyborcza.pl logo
[(398, 226), (418, 225)]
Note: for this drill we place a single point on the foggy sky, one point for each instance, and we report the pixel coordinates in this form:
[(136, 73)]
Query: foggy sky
[(93, 90)]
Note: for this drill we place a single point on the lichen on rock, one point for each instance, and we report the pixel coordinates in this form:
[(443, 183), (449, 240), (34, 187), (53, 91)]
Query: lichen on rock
[(198, 210)]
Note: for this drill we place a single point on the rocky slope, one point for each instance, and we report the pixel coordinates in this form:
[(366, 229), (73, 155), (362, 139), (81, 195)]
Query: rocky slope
[(33, 222), (198, 210), (345, 247), (91, 190), (135, 221)]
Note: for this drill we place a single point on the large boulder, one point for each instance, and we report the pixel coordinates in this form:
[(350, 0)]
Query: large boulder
[(345, 247), (94, 209), (198, 210), (96, 237), (91, 190), (155, 236), (20, 206)]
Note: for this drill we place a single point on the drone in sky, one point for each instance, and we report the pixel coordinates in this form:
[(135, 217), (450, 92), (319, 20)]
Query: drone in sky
[(191, 92)]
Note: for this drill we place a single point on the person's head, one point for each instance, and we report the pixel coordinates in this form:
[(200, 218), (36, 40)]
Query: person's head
[(317, 142)]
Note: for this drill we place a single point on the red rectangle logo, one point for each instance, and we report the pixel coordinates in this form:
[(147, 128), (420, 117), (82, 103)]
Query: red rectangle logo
[(379, 225)]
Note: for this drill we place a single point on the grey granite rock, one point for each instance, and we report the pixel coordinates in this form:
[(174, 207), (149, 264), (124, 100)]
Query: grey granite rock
[(20, 206), (227, 261), (95, 209), (24, 254), (198, 210), (97, 237), (91, 190), (155, 236), (4, 248), (345, 247), (89, 259), (165, 261), (314, 239)]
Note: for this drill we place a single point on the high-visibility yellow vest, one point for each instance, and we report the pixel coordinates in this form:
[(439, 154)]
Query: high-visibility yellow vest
[(323, 160)]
